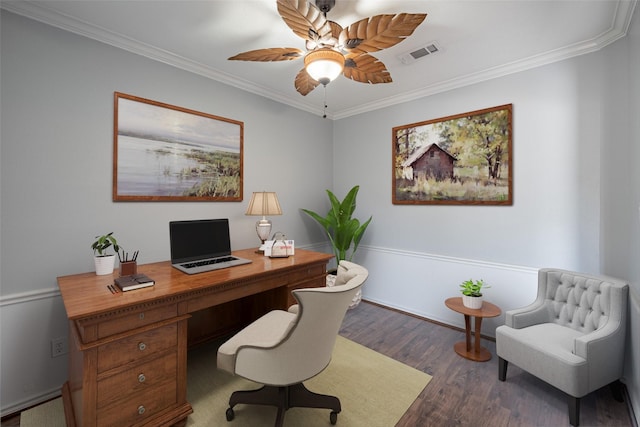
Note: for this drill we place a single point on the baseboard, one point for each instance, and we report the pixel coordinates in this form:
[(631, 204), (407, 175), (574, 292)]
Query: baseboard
[(627, 400), (426, 319), (39, 399)]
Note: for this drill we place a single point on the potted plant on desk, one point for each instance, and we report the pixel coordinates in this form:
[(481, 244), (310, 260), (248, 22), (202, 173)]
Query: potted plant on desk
[(472, 293), (104, 261)]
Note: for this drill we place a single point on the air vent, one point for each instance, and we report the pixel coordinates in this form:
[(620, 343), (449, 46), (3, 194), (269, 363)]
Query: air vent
[(411, 57)]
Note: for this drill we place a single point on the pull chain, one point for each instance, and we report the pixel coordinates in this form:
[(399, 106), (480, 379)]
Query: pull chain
[(324, 111)]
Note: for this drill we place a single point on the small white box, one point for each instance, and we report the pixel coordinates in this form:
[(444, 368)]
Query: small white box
[(269, 243)]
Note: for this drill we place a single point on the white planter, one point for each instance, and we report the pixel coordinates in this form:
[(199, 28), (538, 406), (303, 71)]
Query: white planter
[(472, 302), (104, 264), (331, 282)]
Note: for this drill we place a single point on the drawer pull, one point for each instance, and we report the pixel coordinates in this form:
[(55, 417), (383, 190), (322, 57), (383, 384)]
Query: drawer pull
[(141, 316), (142, 346), (141, 378), (141, 409)]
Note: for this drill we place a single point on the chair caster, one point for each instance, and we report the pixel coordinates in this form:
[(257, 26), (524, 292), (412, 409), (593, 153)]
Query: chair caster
[(333, 417), (230, 414)]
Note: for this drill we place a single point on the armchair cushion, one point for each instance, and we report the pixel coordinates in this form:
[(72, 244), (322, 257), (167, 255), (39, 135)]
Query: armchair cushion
[(546, 351), (272, 328)]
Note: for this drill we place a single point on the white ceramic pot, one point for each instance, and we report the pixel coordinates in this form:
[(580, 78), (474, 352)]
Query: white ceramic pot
[(104, 264), (472, 302)]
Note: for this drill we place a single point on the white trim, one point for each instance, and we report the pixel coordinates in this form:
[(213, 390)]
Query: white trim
[(31, 402), (618, 29), (450, 259), (25, 297)]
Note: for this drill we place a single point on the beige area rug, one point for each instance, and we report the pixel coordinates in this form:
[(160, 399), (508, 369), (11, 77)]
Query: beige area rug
[(374, 390)]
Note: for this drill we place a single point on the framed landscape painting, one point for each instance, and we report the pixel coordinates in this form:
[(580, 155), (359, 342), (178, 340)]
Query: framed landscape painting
[(166, 153), (464, 159)]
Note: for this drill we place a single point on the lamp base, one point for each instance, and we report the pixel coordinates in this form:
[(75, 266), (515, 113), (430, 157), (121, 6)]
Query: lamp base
[(263, 229)]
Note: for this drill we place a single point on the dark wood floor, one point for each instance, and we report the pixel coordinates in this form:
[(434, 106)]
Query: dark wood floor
[(462, 392), (466, 393)]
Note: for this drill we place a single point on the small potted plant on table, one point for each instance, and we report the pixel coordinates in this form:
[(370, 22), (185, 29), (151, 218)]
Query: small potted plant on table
[(104, 261), (472, 293)]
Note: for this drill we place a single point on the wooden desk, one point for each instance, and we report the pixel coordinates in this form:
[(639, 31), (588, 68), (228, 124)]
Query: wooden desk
[(478, 353), (128, 351)]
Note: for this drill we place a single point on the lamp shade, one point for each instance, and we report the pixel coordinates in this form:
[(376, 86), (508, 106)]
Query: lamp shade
[(264, 203), (324, 65)]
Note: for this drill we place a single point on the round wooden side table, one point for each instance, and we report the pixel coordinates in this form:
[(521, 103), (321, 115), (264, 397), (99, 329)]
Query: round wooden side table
[(464, 349)]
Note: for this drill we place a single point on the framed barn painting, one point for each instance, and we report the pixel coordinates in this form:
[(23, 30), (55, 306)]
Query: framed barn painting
[(166, 153), (464, 159)]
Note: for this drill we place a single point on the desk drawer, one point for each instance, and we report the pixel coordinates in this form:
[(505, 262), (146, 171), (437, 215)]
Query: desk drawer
[(137, 408), (136, 347), (132, 382), (306, 273), (136, 320)]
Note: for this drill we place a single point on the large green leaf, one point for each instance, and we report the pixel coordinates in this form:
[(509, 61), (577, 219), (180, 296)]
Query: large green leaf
[(342, 230)]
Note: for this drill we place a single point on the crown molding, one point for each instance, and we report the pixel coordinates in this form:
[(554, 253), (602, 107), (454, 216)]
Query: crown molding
[(64, 22), (618, 29)]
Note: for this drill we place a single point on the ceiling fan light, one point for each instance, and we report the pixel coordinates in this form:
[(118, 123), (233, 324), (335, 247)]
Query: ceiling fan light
[(324, 65)]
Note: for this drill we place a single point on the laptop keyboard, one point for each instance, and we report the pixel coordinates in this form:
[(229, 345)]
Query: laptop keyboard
[(208, 262)]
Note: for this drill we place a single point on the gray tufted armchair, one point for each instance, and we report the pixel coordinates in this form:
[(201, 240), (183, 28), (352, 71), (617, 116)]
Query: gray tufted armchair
[(572, 336)]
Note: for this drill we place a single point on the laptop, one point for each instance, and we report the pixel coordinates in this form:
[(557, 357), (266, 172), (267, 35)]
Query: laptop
[(201, 245)]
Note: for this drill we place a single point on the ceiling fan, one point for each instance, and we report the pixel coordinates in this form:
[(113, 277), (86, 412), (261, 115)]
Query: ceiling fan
[(331, 49)]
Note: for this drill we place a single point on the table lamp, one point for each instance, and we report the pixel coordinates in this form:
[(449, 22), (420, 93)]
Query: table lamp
[(262, 204)]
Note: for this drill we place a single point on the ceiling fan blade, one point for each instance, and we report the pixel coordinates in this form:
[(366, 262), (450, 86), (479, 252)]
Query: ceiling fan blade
[(365, 68), (304, 18), (271, 54), (305, 83), (336, 29), (379, 32)]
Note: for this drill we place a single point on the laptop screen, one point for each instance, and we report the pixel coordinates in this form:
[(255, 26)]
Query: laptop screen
[(199, 239)]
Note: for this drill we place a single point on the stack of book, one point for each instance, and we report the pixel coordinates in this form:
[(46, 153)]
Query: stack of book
[(134, 281)]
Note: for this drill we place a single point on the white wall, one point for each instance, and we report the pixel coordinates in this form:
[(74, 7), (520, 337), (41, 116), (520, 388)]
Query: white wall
[(56, 184), (576, 145), (626, 230), (56, 173), (554, 220), (555, 217)]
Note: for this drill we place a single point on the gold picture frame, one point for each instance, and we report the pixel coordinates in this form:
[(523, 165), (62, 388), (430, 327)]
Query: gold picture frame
[(465, 159), (166, 153)]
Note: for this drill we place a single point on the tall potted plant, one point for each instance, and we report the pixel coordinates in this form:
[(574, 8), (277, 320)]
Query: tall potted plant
[(104, 261), (341, 229)]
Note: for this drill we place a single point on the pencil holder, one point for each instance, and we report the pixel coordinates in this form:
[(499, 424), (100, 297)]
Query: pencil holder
[(128, 268)]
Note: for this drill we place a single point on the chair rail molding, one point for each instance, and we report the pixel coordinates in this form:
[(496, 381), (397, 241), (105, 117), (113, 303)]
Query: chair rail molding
[(419, 283), (23, 297)]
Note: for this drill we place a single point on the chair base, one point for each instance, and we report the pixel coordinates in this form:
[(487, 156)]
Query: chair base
[(573, 402), (284, 398), (502, 369)]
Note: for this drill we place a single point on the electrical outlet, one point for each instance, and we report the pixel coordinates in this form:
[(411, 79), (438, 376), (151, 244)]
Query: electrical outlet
[(59, 346)]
